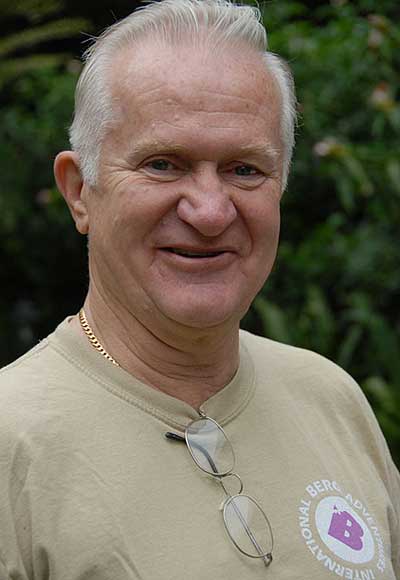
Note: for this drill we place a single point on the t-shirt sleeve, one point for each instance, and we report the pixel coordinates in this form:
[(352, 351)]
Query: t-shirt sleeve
[(395, 486), (3, 572), (14, 511), (394, 492), (389, 473)]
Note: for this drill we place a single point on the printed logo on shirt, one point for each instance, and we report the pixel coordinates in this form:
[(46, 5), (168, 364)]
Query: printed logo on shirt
[(340, 532)]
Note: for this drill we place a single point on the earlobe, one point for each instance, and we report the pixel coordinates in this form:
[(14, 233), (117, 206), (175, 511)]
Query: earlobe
[(71, 185)]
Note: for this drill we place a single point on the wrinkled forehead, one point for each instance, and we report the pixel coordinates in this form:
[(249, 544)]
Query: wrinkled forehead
[(191, 72)]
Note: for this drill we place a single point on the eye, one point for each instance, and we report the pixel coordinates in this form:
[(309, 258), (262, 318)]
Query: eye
[(245, 170), (160, 165), (163, 169), (244, 175)]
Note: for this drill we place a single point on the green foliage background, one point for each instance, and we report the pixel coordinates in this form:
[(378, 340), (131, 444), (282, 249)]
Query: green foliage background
[(335, 288)]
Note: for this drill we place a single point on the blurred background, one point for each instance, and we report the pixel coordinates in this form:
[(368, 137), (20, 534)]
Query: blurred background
[(335, 288)]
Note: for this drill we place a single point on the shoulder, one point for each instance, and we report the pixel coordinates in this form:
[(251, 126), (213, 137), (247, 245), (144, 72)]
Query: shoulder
[(22, 379), (318, 393), (33, 388), (32, 378), (292, 363), (310, 383), (22, 400)]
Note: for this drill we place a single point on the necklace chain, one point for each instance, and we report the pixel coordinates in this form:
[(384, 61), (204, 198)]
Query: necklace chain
[(94, 341)]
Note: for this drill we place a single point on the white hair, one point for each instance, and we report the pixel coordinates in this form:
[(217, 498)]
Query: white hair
[(170, 21)]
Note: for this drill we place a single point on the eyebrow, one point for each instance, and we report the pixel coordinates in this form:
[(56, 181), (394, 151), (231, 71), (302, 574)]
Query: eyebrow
[(145, 148), (261, 150), (154, 147)]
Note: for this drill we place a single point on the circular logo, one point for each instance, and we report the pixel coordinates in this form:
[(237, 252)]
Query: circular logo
[(343, 531)]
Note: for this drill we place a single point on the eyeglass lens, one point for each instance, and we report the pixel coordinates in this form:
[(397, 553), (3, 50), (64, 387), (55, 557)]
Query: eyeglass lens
[(245, 521), (248, 526), (209, 446)]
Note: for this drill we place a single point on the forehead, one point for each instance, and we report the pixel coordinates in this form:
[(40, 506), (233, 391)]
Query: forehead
[(144, 67), (163, 89)]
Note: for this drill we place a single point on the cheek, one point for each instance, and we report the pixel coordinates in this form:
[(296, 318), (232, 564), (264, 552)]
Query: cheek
[(264, 225), (117, 222), (141, 207)]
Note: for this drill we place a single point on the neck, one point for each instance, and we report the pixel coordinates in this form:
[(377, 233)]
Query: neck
[(189, 364)]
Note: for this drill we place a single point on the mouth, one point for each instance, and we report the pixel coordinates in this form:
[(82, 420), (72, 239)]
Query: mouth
[(196, 254)]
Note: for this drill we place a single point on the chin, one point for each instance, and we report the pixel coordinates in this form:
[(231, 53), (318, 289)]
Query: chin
[(206, 315)]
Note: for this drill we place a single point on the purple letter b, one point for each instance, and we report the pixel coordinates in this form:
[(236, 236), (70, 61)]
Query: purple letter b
[(346, 529)]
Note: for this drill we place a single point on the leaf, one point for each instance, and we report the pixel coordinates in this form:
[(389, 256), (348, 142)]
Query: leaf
[(383, 394), (358, 173), (393, 171), (349, 345), (52, 31), (273, 319), (33, 10), (15, 67)]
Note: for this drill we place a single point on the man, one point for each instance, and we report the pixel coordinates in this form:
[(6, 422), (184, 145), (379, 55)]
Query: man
[(181, 140)]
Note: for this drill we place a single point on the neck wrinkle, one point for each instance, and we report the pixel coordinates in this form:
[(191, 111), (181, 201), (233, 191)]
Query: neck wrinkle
[(191, 365)]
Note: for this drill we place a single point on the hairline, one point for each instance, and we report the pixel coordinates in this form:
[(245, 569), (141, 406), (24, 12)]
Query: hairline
[(99, 70)]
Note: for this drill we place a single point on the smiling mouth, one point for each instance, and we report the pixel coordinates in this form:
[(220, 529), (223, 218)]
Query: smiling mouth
[(193, 254)]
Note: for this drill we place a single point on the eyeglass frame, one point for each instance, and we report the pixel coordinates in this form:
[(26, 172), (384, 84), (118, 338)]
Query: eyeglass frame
[(266, 557)]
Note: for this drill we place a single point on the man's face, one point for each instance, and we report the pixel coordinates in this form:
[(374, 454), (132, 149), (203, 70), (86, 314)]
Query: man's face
[(184, 221)]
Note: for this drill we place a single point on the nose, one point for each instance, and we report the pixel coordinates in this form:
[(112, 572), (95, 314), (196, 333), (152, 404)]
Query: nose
[(207, 206)]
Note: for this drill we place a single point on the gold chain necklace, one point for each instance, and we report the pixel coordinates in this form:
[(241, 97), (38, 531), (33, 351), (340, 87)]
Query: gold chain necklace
[(94, 341)]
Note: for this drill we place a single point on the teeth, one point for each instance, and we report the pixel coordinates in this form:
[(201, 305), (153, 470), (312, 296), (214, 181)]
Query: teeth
[(195, 254)]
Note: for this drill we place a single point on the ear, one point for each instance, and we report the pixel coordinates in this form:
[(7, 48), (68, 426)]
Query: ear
[(70, 183)]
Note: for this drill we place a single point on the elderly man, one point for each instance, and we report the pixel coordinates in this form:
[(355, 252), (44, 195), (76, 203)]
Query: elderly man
[(119, 432)]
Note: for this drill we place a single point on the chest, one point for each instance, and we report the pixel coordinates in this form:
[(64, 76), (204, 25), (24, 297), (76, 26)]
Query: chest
[(143, 511)]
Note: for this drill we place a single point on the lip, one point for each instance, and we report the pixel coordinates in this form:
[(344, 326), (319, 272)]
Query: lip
[(197, 249), (223, 258)]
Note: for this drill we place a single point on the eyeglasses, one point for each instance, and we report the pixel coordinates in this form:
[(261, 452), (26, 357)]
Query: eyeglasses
[(245, 521)]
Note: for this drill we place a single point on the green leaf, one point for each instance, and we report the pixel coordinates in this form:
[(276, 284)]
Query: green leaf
[(14, 68), (273, 320), (51, 31), (33, 10)]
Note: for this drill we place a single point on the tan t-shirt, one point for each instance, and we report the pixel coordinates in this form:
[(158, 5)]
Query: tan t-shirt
[(90, 488)]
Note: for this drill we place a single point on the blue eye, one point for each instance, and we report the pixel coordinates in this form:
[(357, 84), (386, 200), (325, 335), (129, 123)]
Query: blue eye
[(160, 164), (245, 170)]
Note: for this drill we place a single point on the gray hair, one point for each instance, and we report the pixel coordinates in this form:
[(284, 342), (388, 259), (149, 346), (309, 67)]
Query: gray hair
[(170, 21)]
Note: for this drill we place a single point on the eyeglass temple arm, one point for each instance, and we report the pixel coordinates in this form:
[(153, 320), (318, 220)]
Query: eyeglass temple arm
[(203, 450), (175, 437), (267, 558)]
